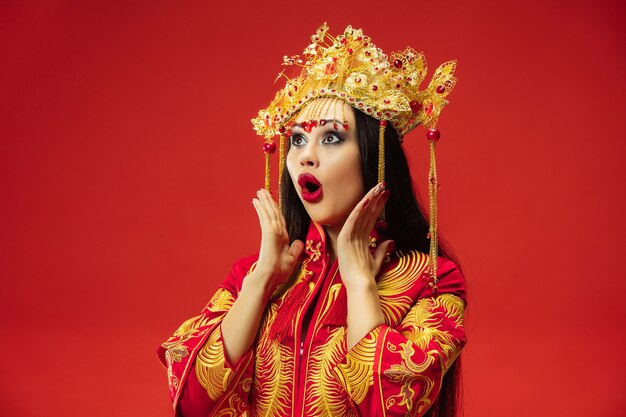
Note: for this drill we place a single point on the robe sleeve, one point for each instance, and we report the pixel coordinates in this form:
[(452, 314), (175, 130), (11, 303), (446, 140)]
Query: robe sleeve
[(398, 371), (201, 379)]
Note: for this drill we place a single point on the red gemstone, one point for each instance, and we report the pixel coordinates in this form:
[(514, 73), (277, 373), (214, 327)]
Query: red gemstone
[(397, 63), (429, 109), (269, 147), (387, 101), (346, 126), (415, 106), (304, 125), (441, 89), (374, 87), (282, 129), (383, 123), (350, 50), (433, 134), (335, 126), (313, 123), (322, 122), (397, 85)]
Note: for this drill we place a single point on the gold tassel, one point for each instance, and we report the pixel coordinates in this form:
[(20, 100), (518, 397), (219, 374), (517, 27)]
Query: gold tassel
[(433, 136), (281, 167), (381, 160), (267, 171)]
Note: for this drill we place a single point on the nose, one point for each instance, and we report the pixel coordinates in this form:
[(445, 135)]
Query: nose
[(308, 156)]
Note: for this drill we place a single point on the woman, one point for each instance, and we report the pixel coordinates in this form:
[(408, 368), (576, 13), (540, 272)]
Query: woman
[(342, 312)]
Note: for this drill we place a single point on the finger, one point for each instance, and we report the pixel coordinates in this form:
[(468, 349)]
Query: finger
[(266, 201), (381, 252), (366, 220), (349, 226), (263, 218), (296, 249), (375, 212)]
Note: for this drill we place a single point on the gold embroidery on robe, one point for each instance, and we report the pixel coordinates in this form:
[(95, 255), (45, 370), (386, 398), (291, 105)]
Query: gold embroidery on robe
[(357, 373), (324, 392), (424, 324), (407, 373), (211, 372), (274, 366), (316, 253), (175, 348), (396, 282)]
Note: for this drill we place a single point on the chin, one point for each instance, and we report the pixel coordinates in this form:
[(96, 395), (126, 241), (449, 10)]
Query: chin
[(325, 219)]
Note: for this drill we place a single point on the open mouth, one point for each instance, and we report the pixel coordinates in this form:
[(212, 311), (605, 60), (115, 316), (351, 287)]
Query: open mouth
[(311, 187)]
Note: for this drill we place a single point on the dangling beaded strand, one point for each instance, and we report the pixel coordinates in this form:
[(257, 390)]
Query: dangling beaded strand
[(433, 136)]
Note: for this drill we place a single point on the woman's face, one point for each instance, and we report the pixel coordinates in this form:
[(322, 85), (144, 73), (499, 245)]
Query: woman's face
[(324, 163)]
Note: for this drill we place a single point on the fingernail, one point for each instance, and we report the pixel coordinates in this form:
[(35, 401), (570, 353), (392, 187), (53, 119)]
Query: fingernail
[(385, 195), (384, 184), (366, 202), (379, 189)]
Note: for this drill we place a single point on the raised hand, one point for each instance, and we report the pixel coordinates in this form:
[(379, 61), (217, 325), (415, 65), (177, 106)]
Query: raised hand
[(356, 263), (277, 259)]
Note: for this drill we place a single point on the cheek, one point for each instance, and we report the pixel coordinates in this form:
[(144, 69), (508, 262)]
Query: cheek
[(291, 163)]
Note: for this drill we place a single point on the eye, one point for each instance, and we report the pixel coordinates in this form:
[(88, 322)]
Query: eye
[(332, 138), (297, 140)]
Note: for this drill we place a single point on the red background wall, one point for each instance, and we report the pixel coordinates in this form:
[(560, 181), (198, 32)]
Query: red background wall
[(127, 166)]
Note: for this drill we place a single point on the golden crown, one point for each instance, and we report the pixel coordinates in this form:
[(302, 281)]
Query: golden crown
[(351, 68)]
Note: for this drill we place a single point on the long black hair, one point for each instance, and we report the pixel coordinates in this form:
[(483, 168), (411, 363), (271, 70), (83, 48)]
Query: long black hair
[(406, 223)]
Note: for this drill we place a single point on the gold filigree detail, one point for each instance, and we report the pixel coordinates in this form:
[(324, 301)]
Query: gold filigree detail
[(351, 68), (396, 282), (357, 373), (210, 369)]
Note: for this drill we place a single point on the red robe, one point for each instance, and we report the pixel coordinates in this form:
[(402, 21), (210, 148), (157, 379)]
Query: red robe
[(395, 370)]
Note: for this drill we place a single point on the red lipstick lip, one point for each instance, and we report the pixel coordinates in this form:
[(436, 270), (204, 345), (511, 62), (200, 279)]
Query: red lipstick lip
[(310, 196)]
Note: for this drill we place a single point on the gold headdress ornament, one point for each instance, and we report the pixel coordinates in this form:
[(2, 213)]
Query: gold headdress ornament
[(352, 69)]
